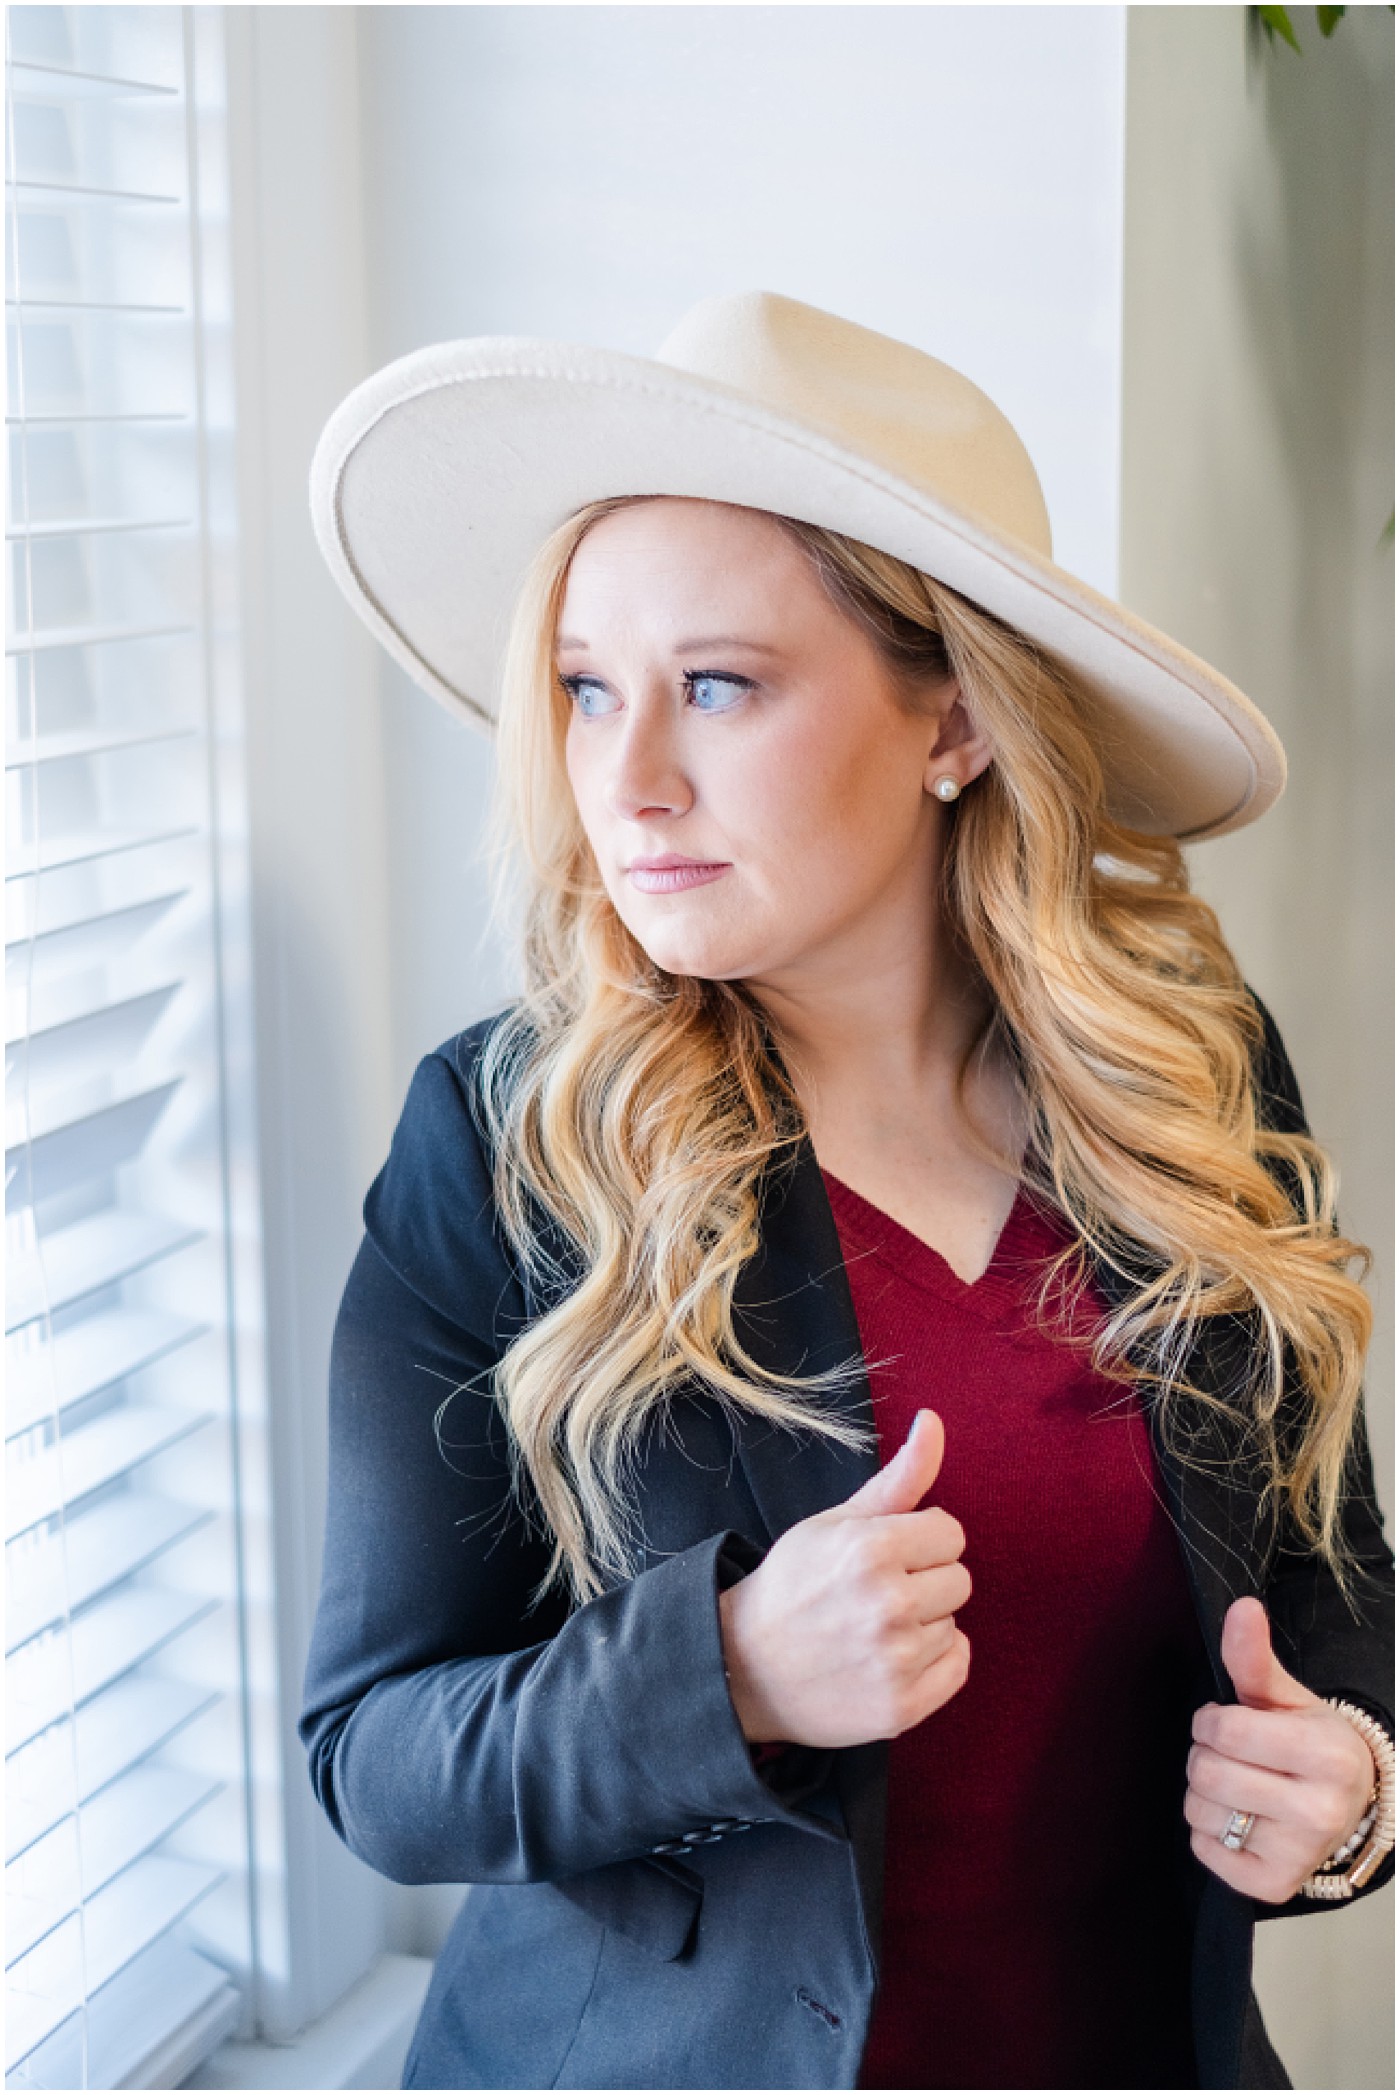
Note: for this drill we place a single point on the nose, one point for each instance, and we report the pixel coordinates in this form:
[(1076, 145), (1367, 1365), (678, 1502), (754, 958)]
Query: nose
[(647, 775)]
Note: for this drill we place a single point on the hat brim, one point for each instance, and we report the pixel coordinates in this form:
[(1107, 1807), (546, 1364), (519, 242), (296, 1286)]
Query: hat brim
[(435, 481)]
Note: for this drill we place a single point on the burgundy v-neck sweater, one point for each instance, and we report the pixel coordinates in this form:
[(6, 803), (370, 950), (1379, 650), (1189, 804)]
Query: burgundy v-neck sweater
[(1032, 1934)]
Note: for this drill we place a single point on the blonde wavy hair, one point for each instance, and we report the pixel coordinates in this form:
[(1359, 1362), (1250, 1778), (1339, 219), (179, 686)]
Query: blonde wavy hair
[(638, 1111)]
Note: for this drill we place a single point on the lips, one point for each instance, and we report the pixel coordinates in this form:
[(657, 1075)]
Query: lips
[(668, 861), (670, 873)]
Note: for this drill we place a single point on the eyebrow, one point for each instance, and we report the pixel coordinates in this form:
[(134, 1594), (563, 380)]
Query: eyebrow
[(685, 647)]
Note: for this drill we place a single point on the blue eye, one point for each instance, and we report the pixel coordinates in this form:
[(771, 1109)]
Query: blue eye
[(694, 678), (580, 689)]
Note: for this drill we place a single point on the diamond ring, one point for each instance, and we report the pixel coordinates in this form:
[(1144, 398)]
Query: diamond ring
[(1237, 1828)]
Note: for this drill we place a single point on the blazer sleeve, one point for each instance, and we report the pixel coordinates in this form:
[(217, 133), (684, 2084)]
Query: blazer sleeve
[(1317, 1636), (452, 1734)]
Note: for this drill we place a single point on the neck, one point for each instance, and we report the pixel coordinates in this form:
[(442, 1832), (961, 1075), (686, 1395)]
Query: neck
[(865, 1038)]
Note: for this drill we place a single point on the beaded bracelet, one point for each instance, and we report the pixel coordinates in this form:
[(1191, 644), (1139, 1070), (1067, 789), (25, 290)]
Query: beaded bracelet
[(1341, 1876)]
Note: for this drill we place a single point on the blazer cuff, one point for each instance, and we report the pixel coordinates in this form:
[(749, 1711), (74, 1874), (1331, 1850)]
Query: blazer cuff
[(794, 1775), (691, 1717)]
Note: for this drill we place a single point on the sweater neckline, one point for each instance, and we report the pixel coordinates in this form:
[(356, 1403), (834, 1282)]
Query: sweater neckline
[(1029, 1234)]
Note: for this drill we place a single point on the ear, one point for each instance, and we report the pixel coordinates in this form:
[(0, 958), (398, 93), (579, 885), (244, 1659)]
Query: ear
[(959, 747)]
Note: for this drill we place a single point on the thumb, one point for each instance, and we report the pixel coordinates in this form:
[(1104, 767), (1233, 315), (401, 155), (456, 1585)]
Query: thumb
[(1261, 1680), (899, 1486)]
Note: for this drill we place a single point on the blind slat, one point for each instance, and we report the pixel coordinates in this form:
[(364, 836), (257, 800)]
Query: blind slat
[(86, 1257), (69, 1567), (103, 1350), (61, 749), (44, 81), (76, 418), (40, 642), (39, 1486), (80, 848), (101, 1037), (43, 1682), (38, 191), (89, 305), (89, 1145), (79, 939), (90, 526)]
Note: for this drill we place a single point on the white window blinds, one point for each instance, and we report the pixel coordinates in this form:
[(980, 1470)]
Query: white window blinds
[(127, 1853)]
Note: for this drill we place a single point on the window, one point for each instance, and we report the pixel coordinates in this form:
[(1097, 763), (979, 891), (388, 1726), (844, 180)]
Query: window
[(130, 1923)]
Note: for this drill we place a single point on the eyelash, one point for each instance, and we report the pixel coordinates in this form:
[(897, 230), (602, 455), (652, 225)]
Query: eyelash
[(690, 677)]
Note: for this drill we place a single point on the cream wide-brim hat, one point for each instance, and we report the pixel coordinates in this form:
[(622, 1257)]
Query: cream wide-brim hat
[(435, 481)]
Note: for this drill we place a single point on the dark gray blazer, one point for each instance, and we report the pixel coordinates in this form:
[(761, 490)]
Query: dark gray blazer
[(649, 1911)]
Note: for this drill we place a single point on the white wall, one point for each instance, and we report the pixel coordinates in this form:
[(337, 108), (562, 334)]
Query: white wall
[(320, 935), (949, 175), (1257, 453)]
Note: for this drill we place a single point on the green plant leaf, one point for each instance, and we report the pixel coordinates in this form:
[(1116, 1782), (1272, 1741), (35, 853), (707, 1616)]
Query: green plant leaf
[(1276, 21), (1328, 18)]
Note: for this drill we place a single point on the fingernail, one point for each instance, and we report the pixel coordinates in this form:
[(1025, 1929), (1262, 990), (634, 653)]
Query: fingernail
[(913, 1426)]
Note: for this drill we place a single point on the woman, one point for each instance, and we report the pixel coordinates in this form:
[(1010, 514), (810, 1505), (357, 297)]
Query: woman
[(850, 1521)]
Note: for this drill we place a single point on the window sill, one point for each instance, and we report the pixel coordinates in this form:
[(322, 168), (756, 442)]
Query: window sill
[(361, 2042)]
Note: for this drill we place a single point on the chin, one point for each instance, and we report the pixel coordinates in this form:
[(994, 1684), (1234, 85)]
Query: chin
[(686, 961), (689, 936), (712, 959)]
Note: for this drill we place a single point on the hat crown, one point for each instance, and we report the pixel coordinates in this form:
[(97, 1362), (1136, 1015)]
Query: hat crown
[(905, 409)]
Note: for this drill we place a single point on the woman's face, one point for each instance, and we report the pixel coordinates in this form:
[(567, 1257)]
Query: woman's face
[(729, 721)]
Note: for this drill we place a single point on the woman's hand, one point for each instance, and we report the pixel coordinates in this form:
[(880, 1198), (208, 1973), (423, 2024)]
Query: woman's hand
[(1283, 1753), (845, 1631)]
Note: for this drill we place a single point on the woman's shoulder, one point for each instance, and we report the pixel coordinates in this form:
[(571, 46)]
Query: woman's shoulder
[(431, 1210), (1276, 1081), (464, 1051), (441, 1111)]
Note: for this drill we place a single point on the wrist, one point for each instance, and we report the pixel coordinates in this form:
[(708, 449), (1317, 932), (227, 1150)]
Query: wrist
[(756, 1720), (1360, 1855)]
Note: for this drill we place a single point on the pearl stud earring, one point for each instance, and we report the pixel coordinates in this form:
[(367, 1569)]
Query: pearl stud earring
[(947, 787)]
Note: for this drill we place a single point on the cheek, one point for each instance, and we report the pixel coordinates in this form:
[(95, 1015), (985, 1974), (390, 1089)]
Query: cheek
[(573, 765), (818, 810), (583, 784)]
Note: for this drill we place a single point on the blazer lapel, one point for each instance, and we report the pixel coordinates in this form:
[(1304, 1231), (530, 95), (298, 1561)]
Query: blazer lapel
[(1213, 1495), (794, 1313)]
